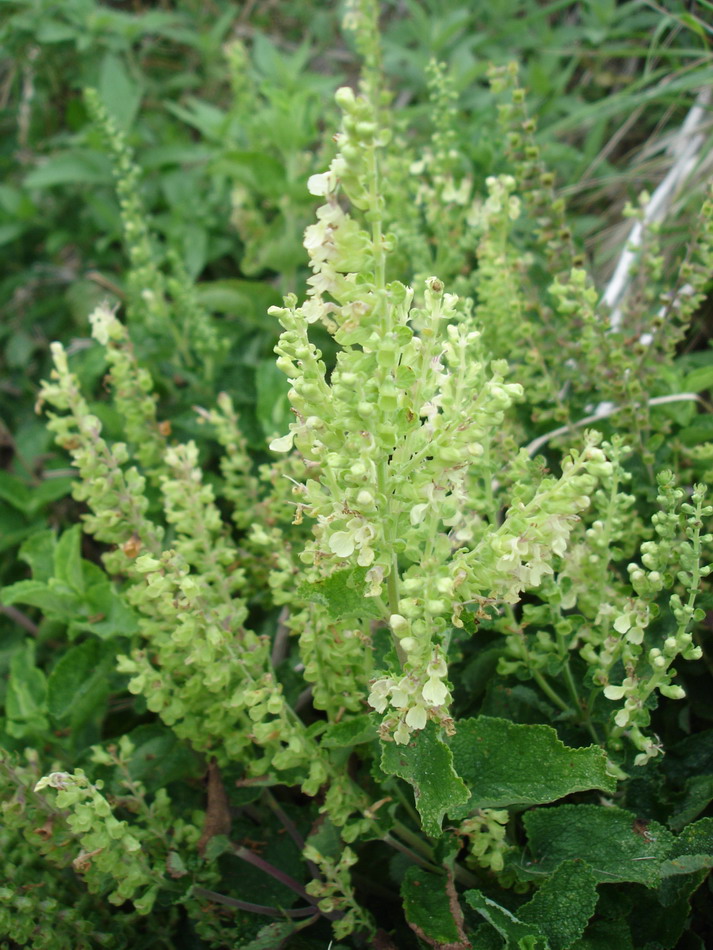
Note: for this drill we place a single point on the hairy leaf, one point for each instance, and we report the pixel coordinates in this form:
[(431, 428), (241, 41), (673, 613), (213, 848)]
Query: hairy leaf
[(79, 683), (432, 910), (342, 593), (563, 904), (507, 763), (427, 764), (612, 841), (517, 935)]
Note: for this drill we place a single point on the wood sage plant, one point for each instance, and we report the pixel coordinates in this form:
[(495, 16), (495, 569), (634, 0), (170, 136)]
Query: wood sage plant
[(304, 629)]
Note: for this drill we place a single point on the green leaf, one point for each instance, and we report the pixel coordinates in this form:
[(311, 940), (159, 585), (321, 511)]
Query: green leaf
[(13, 527), (217, 845), (160, 757), (507, 763), (49, 599), (119, 92), (432, 909), (8, 232), (606, 935), (108, 613), (563, 904), (517, 703), (78, 167), (327, 839), (19, 349), (260, 172), (184, 153), (351, 732), (15, 492), (659, 923), (698, 793), (79, 683), (51, 489), (342, 593), (271, 937), (207, 118), (693, 24), (698, 380), (692, 850), (484, 937), (610, 840), (517, 935), (247, 299), (68, 559), (38, 552), (701, 430), (54, 31), (690, 757), (25, 702), (427, 764)]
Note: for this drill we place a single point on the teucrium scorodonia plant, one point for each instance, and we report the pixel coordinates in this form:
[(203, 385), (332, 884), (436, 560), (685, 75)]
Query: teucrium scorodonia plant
[(398, 515)]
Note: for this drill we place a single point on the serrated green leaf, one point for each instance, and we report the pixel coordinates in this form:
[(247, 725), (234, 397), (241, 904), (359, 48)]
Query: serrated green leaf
[(47, 597), (563, 904), (68, 559), (432, 910), (426, 763), (610, 840), (342, 593), (517, 935), (507, 763), (79, 683), (692, 850)]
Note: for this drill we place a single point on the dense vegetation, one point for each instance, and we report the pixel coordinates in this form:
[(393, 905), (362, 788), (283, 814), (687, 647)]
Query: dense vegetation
[(355, 397)]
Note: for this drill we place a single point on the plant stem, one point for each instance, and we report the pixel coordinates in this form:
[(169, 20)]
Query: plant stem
[(251, 858), (416, 858), (415, 840), (250, 907)]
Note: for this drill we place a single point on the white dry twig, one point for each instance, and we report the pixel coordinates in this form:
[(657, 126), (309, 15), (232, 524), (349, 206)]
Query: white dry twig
[(683, 149), (603, 411)]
